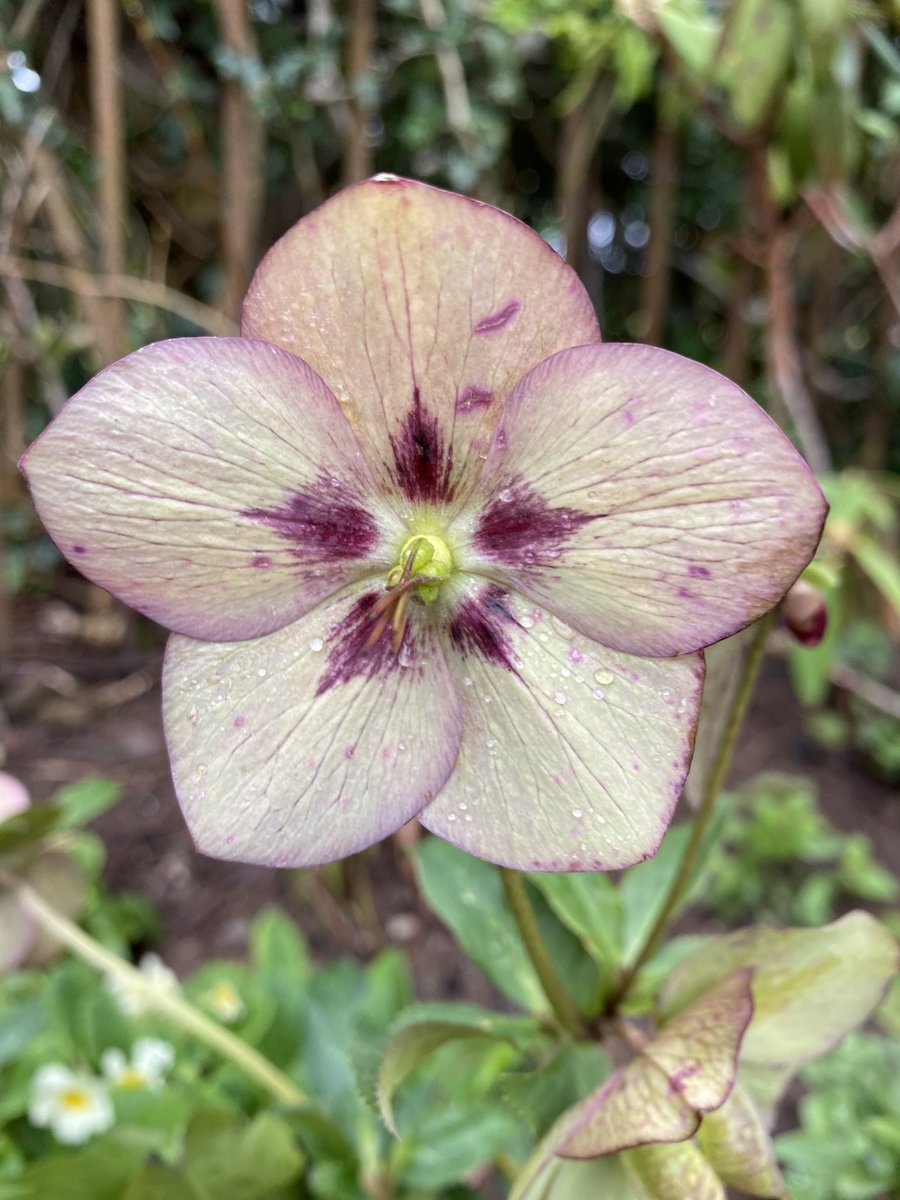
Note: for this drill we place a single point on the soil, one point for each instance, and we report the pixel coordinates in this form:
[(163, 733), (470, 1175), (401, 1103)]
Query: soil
[(79, 695)]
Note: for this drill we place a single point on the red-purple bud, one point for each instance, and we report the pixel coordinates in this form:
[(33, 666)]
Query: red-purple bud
[(804, 613)]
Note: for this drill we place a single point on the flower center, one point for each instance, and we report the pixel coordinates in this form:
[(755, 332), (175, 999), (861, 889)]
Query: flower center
[(423, 564)]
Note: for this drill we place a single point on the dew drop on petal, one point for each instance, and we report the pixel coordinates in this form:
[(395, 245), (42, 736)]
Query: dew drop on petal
[(598, 693), (505, 495), (560, 697), (577, 813), (316, 644), (261, 672), (604, 677)]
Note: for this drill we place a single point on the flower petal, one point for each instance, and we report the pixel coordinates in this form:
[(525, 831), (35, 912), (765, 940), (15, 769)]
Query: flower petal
[(304, 746), (211, 483), (643, 498), (421, 310), (573, 756)]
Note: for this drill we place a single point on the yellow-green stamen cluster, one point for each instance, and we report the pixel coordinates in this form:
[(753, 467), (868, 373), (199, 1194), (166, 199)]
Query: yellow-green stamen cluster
[(423, 555)]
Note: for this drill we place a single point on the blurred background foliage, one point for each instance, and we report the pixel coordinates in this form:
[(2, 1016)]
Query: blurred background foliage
[(724, 175)]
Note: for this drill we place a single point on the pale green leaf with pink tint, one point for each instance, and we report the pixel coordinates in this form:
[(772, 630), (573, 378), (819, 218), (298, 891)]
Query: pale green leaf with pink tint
[(674, 1173), (736, 1143), (810, 986)]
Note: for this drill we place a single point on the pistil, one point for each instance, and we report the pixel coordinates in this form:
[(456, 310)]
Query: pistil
[(424, 563)]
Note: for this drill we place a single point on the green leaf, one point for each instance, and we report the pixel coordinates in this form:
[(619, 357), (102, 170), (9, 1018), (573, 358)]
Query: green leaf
[(19, 1023), (693, 35), (756, 57), (228, 1157), (467, 895), (644, 887), (157, 1181), (448, 1143), (27, 827), (81, 802), (426, 1028), (546, 1177), (277, 948), (810, 986), (590, 906), (540, 1095), (102, 1172)]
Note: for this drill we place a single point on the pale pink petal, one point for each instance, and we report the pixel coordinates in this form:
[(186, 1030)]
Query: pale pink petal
[(643, 498), (573, 756), (304, 746), (14, 798), (421, 310), (211, 483)]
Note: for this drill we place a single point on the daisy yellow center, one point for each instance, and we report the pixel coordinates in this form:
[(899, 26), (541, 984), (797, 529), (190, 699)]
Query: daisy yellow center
[(75, 1099)]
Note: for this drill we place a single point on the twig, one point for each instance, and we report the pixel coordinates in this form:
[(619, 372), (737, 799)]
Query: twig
[(243, 137), (453, 75), (124, 287), (782, 356), (360, 36), (657, 280), (109, 150)]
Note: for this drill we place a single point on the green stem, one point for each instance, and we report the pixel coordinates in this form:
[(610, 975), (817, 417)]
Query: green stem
[(173, 1006), (559, 999), (711, 789)]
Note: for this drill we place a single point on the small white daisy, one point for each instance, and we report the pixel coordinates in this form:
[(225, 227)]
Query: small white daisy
[(150, 1060), (137, 998), (72, 1105), (224, 1001)]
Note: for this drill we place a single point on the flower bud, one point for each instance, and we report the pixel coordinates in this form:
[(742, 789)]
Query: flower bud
[(804, 613)]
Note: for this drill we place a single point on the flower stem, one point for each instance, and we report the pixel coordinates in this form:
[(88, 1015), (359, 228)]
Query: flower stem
[(711, 789), (559, 999), (175, 1007)]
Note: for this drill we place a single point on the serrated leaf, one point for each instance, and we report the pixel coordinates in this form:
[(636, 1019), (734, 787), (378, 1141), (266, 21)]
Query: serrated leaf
[(810, 986), (418, 1036), (737, 1145), (674, 1173)]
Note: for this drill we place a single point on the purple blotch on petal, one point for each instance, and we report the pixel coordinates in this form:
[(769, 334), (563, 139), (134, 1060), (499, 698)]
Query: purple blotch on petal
[(481, 627), (697, 572), (473, 397), (348, 652), (79, 549), (497, 320), (678, 1079), (326, 523), (260, 561), (522, 529), (421, 463)]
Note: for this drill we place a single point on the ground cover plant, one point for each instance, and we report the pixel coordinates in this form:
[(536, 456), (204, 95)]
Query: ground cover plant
[(463, 600)]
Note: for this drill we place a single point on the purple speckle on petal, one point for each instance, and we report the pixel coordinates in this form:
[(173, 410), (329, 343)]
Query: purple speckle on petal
[(78, 549), (325, 522), (679, 1078), (574, 655), (497, 320), (421, 463), (523, 530), (481, 626), (684, 593), (698, 572), (261, 561), (240, 722), (349, 751), (473, 397)]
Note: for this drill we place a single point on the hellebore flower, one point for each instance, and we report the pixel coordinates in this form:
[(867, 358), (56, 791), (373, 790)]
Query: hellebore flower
[(411, 531)]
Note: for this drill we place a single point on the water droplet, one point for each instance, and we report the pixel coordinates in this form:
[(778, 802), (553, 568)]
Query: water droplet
[(451, 816), (491, 743), (577, 813), (462, 806), (401, 745), (316, 644), (526, 622), (505, 495), (467, 682), (405, 658), (598, 693), (201, 770), (261, 672), (604, 677), (486, 699), (560, 697)]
